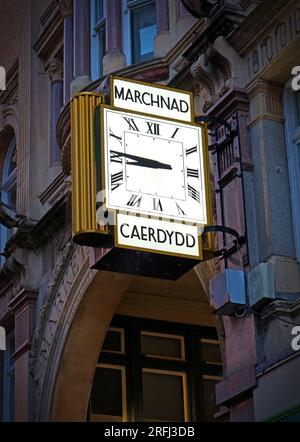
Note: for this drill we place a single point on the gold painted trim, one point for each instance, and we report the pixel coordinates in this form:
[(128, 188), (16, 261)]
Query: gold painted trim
[(209, 341), (153, 85), (167, 336), (208, 377), (124, 390), (181, 374), (208, 193), (84, 178)]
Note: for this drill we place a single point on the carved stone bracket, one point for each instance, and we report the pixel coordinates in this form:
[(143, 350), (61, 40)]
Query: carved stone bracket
[(200, 73), (55, 71), (218, 69)]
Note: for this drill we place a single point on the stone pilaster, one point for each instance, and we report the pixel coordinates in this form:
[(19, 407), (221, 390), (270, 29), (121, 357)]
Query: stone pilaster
[(24, 108), (66, 9), (162, 43), (55, 71), (270, 174), (23, 307), (114, 58), (81, 29)]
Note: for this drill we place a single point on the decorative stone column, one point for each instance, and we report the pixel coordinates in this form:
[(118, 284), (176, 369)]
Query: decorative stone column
[(162, 43), (66, 9), (114, 58), (271, 180), (23, 307), (81, 28), (55, 71)]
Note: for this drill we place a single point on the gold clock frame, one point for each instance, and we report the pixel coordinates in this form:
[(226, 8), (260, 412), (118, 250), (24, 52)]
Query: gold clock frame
[(209, 248)]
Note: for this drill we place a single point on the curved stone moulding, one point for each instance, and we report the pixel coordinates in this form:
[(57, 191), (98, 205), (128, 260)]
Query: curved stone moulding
[(203, 76)]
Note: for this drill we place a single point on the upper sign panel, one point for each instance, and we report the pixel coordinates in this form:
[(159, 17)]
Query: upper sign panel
[(152, 99)]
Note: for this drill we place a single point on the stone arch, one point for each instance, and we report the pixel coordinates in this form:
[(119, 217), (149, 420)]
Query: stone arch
[(9, 128), (83, 344)]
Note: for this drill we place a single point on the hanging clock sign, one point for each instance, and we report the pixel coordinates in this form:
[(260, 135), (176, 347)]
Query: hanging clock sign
[(156, 172)]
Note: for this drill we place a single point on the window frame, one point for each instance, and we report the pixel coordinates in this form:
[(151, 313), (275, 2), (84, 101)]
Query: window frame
[(124, 416), (134, 362), (96, 28), (292, 136), (8, 182), (127, 35)]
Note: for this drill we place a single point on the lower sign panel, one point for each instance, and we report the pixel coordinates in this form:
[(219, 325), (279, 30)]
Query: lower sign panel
[(148, 234)]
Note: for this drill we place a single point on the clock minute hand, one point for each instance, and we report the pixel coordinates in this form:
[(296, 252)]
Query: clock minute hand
[(142, 162)]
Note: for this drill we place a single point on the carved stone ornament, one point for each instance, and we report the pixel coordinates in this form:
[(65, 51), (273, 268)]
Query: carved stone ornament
[(65, 7), (55, 70), (202, 8)]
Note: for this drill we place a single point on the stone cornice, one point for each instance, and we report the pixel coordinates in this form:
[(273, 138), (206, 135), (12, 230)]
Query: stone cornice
[(224, 23), (51, 38), (257, 23), (51, 193), (280, 307), (33, 235), (234, 100)]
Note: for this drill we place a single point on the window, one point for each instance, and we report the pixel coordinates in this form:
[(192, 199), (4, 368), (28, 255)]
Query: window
[(9, 188), (155, 371), (291, 106), (98, 37), (140, 24), (7, 381), (110, 405)]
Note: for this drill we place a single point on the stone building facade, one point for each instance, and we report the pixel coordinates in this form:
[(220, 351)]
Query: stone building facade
[(92, 345)]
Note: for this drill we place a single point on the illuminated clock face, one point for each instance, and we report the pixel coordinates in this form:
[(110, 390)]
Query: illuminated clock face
[(154, 166)]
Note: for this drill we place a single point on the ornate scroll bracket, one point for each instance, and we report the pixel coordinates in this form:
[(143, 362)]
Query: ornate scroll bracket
[(216, 69)]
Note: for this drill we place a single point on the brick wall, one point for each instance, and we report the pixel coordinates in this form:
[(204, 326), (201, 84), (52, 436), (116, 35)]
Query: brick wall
[(9, 32)]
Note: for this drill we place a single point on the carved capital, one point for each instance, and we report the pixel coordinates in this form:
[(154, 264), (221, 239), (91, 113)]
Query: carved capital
[(55, 71), (265, 101), (65, 7)]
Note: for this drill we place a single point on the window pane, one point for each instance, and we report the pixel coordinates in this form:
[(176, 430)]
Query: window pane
[(12, 197), (1, 385), (209, 398), (143, 31), (162, 346), (102, 47), (298, 106), (114, 341), (210, 351), (163, 397), (99, 11), (106, 397)]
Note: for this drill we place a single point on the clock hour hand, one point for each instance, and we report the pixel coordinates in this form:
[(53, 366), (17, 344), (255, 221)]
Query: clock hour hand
[(141, 161)]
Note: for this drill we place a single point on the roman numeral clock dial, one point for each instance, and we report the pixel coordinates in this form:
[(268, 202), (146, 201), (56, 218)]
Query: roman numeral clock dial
[(153, 166)]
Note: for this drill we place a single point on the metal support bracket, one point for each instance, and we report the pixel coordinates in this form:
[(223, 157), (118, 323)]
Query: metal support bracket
[(238, 242), (213, 148)]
